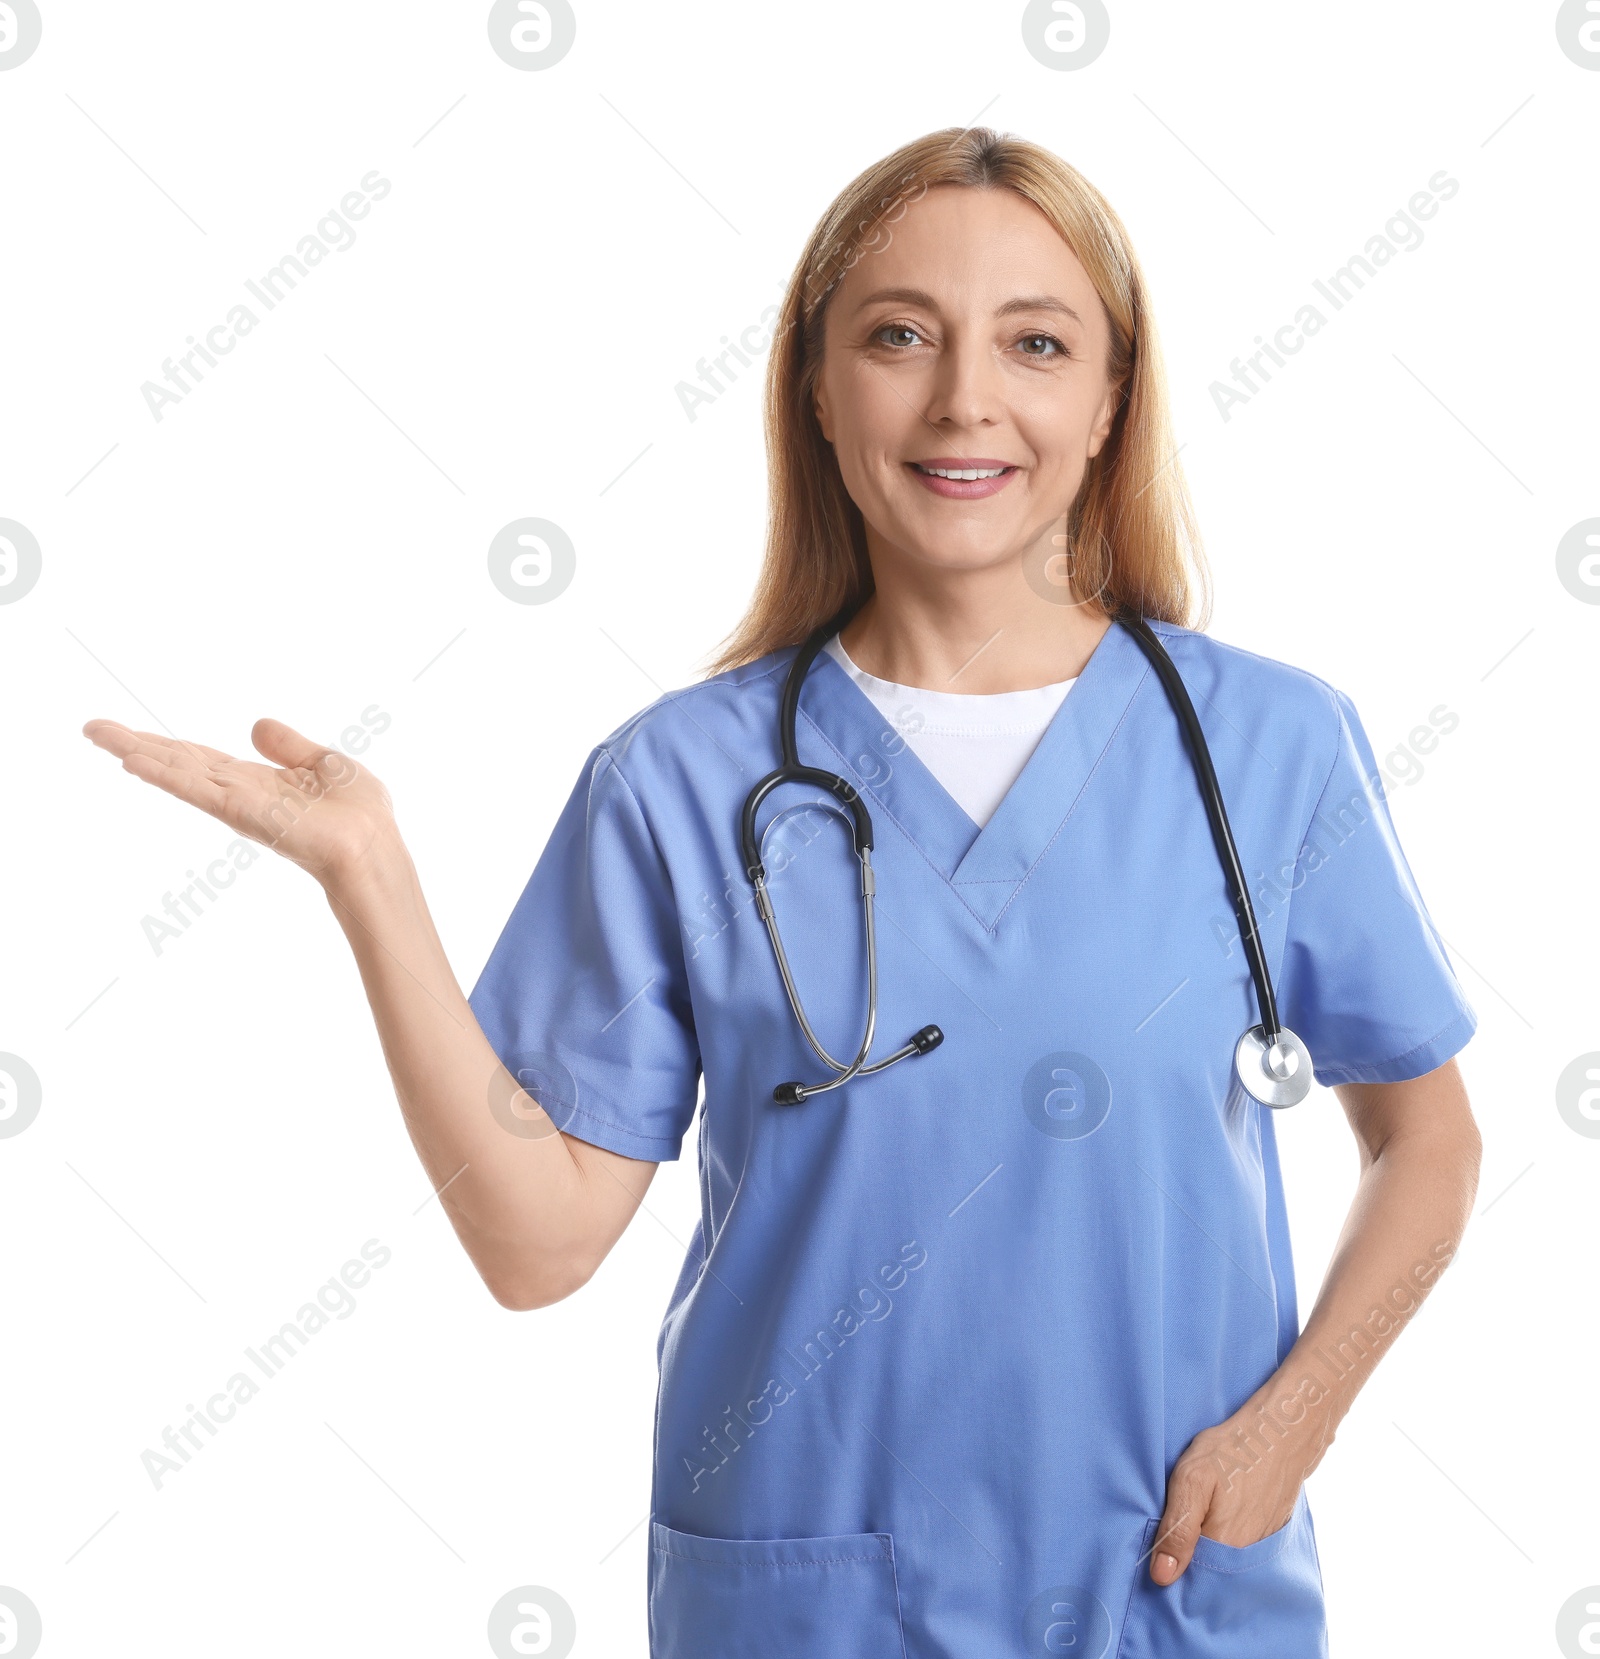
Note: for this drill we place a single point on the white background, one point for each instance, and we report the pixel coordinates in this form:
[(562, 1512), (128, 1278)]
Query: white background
[(306, 532)]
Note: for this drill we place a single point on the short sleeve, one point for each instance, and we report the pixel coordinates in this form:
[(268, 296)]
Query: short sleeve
[(1365, 982), (585, 996)]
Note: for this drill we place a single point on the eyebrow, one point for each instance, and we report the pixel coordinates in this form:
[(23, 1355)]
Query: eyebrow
[(919, 296)]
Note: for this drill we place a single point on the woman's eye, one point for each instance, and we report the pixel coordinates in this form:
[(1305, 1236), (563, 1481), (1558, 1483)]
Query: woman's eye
[(1041, 345), (887, 334)]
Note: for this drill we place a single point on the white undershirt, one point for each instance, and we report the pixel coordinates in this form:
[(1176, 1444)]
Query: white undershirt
[(975, 743)]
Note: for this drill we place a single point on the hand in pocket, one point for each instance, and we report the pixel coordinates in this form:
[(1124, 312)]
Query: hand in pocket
[(1236, 1483)]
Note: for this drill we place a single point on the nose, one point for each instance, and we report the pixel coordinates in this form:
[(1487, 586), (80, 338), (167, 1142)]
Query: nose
[(966, 390)]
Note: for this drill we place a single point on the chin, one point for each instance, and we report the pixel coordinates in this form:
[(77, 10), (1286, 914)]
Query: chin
[(961, 560)]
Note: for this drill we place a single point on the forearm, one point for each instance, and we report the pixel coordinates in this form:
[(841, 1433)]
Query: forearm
[(537, 1211), (1410, 1209), (517, 1199), (1240, 1479)]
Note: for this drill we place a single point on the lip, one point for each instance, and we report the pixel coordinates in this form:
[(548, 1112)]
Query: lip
[(962, 489)]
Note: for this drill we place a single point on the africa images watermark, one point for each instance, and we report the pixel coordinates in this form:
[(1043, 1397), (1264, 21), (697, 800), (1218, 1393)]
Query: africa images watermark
[(1400, 234), (792, 830), (334, 1300), (333, 234), (717, 374), (1337, 822), (745, 351), (869, 1304), (1337, 1360)]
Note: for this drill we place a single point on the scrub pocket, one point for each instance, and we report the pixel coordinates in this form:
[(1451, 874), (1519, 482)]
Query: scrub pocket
[(1251, 1601), (773, 1598)]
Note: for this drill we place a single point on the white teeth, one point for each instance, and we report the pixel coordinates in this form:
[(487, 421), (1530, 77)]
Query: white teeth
[(966, 472)]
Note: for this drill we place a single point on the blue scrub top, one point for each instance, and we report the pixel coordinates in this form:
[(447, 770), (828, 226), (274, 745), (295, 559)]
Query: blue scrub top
[(941, 1334)]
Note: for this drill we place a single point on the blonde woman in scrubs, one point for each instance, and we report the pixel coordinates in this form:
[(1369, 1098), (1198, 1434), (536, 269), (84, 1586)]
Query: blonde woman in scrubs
[(996, 1351)]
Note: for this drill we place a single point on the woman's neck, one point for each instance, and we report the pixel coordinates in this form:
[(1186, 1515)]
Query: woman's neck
[(972, 635)]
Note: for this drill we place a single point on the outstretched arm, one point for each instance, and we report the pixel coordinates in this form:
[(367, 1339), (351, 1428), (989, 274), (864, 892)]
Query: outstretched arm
[(536, 1209), (1419, 1148)]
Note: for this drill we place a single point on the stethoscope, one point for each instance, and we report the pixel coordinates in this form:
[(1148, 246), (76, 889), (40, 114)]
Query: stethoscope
[(1274, 1066)]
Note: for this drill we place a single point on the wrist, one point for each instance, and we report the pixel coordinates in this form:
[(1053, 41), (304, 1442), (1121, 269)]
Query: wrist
[(1295, 1410), (380, 874)]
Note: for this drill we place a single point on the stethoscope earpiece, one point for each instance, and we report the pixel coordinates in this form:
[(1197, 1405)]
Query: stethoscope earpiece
[(924, 1041)]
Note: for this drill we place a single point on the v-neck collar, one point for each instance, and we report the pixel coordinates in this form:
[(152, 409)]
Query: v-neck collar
[(841, 729)]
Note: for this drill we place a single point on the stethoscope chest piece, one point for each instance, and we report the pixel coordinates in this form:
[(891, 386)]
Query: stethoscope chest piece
[(1277, 1074)]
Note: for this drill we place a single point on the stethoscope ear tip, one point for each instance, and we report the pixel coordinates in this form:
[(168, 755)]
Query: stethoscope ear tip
[(927, 1039), (789, 1094)]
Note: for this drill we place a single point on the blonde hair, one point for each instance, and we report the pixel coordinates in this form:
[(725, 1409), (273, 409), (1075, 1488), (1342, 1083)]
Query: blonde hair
[(1132, 530)]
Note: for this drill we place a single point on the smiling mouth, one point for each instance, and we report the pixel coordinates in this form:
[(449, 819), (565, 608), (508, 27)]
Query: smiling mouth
[(963, 474), (964, 477)]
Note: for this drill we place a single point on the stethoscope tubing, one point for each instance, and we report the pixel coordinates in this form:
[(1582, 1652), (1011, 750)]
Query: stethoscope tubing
[(1269, 1047), (1217, 815), (857, 1065)]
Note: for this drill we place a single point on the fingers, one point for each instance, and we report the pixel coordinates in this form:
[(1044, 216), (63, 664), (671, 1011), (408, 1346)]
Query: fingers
[(1188, 1498), (203, 776), (120, 741), (102, 731), (252, 799), (279, 743), (181, 769), (310, 767), (284, 746), (187, 782)]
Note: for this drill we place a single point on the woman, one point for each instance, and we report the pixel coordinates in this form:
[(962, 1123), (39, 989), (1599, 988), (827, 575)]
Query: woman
[(995, 1349)]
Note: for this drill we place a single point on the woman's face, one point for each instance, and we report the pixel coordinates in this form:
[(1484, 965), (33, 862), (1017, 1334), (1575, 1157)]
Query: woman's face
[(973, 341)]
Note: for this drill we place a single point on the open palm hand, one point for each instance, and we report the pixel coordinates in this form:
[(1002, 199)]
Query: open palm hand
[(314, 805)]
